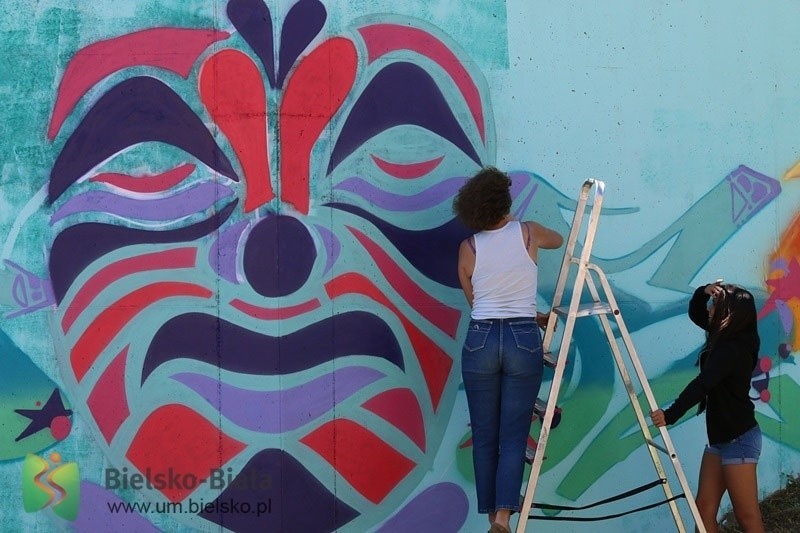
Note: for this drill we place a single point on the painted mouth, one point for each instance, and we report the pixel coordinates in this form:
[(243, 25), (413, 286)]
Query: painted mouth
[(215, 341)]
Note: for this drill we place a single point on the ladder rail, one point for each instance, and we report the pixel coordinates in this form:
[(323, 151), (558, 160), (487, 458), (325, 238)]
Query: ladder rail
[(629, 388), (555, 388), (651, 401), (563, 273), (544, 434), (584, 277), (569, 325)]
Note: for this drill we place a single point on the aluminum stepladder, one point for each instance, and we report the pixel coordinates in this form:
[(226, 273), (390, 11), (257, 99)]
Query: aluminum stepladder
[(584, 274)]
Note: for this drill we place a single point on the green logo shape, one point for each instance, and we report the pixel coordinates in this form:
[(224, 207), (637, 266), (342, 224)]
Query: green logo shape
[(51, 484)]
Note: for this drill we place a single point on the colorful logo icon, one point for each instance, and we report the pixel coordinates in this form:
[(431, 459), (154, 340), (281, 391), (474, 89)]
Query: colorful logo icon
[(49, 483)]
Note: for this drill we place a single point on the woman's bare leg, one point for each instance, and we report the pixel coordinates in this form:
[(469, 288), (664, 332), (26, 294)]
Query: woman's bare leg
[(742, 484), (710, 489)]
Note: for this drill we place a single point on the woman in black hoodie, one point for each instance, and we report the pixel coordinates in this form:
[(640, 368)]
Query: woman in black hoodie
[(722, 389)]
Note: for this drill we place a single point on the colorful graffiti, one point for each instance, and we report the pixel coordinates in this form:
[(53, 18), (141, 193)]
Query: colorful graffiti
[(248, 279), (209, 313)]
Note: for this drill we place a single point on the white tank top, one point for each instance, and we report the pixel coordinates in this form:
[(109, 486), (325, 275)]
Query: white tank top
[(505, 277)]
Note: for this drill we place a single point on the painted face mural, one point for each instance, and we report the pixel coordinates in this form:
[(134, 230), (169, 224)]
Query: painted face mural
[(254, 260)]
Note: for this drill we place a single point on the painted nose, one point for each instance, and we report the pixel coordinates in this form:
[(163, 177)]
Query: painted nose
[(278, 256)]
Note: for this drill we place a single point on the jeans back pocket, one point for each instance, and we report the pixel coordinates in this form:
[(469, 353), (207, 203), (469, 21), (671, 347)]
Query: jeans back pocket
[(477, 333), (526, 335)]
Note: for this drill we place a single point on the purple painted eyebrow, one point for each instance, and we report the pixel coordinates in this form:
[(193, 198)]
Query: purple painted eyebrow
[(440, 267), (146, 47), (137, 110), (401, 93), (78, 246)]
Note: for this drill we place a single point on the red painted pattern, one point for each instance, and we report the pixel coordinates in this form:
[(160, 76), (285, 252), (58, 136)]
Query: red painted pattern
[(437, 313), (314, 93), (264, 313), (108, 401), (433, 361), (400, 408), (382, 39), (232, 90), (168, 259), (406, 171), (111, 321), (370, 465), (178, 445), (146, 183), (172, 49)]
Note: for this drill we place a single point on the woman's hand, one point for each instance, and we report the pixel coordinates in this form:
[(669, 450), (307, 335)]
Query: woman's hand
[(541, 320), (658, 418), (714, 289)]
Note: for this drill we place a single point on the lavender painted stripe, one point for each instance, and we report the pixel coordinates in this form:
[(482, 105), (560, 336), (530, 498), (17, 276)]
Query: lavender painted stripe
[(94, 514), (284, 410), (523, 205), (780, 263), (173, 207), (785, 315), (397, 202), (222, 254), (519, 180), (332, 246), (442, 507)]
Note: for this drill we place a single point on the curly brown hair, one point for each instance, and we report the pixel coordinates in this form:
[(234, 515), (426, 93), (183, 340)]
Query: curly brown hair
[(484, 199)]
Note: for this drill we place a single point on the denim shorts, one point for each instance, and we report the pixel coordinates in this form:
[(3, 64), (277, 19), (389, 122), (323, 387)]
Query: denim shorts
[(744, 449)]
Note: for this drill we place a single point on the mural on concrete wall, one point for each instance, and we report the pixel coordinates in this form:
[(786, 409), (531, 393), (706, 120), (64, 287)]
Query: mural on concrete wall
[(250, 278)]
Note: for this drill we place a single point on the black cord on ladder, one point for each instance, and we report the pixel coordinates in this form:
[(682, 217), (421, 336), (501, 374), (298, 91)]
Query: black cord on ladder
[(620, 496)]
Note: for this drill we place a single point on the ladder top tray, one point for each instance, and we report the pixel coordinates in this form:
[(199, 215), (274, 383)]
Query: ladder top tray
[(590, 309)]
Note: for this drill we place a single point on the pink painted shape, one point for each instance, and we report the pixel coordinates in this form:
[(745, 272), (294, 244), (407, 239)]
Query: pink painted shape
[(400, 408), (173, 49), (60, 427), (409, 170), (233, 91), (167, 259), (264, 313), (384, 38), (108, 402), (437, 313), (313, 94), (146, 182)]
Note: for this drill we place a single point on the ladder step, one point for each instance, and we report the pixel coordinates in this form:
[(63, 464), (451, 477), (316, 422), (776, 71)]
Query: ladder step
[(590, 309), (530, 453), (539, 408), (549, 361), (657, 446)]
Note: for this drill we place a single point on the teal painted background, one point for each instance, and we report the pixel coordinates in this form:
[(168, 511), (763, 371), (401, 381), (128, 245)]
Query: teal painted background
[(687, 112)]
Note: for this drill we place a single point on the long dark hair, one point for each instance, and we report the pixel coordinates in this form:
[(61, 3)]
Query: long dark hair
[(734, 313)]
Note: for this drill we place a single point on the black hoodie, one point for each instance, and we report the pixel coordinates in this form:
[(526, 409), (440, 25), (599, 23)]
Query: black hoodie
[(724, 381)]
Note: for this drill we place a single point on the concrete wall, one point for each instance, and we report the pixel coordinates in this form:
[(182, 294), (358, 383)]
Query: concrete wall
[(227, 270)]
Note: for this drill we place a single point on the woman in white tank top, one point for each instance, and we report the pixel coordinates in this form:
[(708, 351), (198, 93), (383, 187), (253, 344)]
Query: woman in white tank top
[(501, 362)]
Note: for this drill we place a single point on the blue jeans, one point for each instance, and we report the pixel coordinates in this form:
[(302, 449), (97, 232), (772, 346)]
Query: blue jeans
[(502, 365)]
